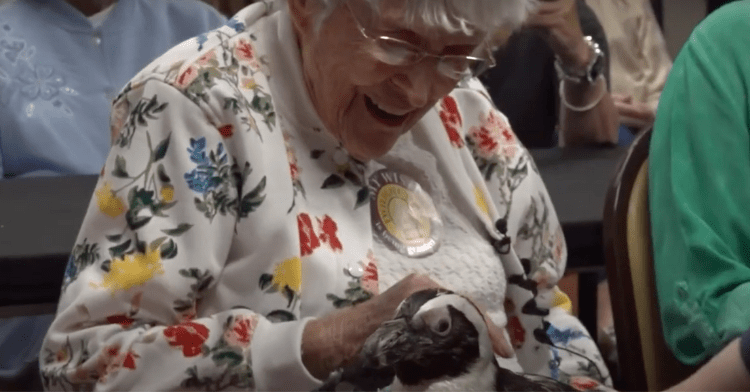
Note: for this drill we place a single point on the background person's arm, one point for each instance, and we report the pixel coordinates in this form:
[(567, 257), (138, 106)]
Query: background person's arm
[(727, 371), (564, 24), (699, 171)]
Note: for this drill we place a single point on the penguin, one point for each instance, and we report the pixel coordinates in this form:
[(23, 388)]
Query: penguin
[(438, 341)]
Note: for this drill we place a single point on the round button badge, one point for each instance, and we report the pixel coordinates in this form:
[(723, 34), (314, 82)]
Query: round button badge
[(403, 214)]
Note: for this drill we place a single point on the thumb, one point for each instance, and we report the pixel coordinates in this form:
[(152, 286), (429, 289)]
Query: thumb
[(500, 344)]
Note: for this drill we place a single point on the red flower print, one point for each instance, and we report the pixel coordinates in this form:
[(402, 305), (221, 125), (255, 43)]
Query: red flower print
[(451, 118), (226, 131), (294, 170), (110, 362), (494, 136), (240, 333), (245, 52), (558, 251), (516, 331), (129, 361), (189, 335), (187, 77), (207, 57), (370, 278), (188, 315), (329, 228), (119, 115), (508, 135), (308, 240), (487, 144), (121, 319), (291, 157), (582, 383), (112, 351)]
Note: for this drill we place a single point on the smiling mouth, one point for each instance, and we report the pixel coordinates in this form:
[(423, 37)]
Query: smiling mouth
[(391, 120)]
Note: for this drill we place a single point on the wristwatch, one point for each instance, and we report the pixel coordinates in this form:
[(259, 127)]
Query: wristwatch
[(593, 70)]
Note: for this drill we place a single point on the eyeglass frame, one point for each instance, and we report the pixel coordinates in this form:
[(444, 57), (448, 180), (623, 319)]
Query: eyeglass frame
[(487, 63)]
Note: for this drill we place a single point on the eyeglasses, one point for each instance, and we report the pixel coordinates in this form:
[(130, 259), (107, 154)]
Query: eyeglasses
[(393, 51)]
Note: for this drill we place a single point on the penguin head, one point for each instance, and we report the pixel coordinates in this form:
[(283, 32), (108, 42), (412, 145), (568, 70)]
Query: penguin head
[(436, 334)]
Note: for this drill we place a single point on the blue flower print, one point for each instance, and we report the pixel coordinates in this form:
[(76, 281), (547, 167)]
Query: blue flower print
[(201, 181), (197, 150), (71, 270), (236, 25), (201, 40), (206, 177), (554, 364), (563, 336), (40, 82), (12, 49)]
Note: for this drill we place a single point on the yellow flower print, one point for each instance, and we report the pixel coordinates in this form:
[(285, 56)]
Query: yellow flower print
[(481, 201), (562, 301), (133, 270), (289, 273), (108, 202), (167, 193), (249, 83)]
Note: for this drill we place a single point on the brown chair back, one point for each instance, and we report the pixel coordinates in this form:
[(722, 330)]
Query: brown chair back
[(646, 363)]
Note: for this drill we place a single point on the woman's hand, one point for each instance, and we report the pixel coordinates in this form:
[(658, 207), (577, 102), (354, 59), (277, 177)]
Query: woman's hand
[(335, 340)]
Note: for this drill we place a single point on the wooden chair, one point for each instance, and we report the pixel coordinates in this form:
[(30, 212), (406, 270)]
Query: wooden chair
[(646, 363)]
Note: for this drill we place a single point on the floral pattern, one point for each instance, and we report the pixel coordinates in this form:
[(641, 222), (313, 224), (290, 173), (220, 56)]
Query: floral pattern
[(362, 286), (240, 332), (36, 81), (348, 171), (451, 119), (286, 279), (187, 336), (217, 181), (294, 170), (312, 237)]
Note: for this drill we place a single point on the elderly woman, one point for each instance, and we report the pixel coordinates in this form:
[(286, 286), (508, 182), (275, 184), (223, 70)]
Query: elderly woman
[(267, 180)]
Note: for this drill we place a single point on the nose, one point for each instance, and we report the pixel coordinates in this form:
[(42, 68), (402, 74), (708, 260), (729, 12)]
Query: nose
[(418, 83)]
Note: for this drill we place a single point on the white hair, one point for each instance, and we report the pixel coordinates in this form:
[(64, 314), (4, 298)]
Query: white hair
[(467, 16)]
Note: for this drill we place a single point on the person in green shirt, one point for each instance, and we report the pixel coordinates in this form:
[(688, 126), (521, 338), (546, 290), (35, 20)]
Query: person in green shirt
[(699, 174)]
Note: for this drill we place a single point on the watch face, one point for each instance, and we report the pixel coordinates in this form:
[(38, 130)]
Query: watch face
[(597, 68)]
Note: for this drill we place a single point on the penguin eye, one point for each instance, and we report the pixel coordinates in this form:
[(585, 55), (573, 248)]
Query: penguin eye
[(442, 327)]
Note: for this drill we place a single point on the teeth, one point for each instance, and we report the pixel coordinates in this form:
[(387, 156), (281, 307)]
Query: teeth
[(391, 111)]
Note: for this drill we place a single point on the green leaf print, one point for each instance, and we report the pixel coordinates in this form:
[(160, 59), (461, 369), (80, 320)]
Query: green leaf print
[(333, 181), (179, 230), (161, 149), (120, 171)]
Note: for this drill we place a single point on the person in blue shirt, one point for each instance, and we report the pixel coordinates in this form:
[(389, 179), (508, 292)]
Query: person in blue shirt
[(62, 62)]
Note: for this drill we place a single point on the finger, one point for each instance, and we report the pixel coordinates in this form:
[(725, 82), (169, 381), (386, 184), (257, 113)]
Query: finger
[(500, 345), (618, 96)]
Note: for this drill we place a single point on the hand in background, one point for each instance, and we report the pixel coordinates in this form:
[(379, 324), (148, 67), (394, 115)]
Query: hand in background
[(633, 113), (558, 21)]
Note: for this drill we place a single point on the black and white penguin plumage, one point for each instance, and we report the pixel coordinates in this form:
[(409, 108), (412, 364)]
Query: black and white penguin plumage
[(438, 341)]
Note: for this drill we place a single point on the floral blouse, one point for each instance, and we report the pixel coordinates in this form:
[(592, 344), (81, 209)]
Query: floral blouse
[(226, 217)]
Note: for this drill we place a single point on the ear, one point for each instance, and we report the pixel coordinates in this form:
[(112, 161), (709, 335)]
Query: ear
[(302, 13)]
